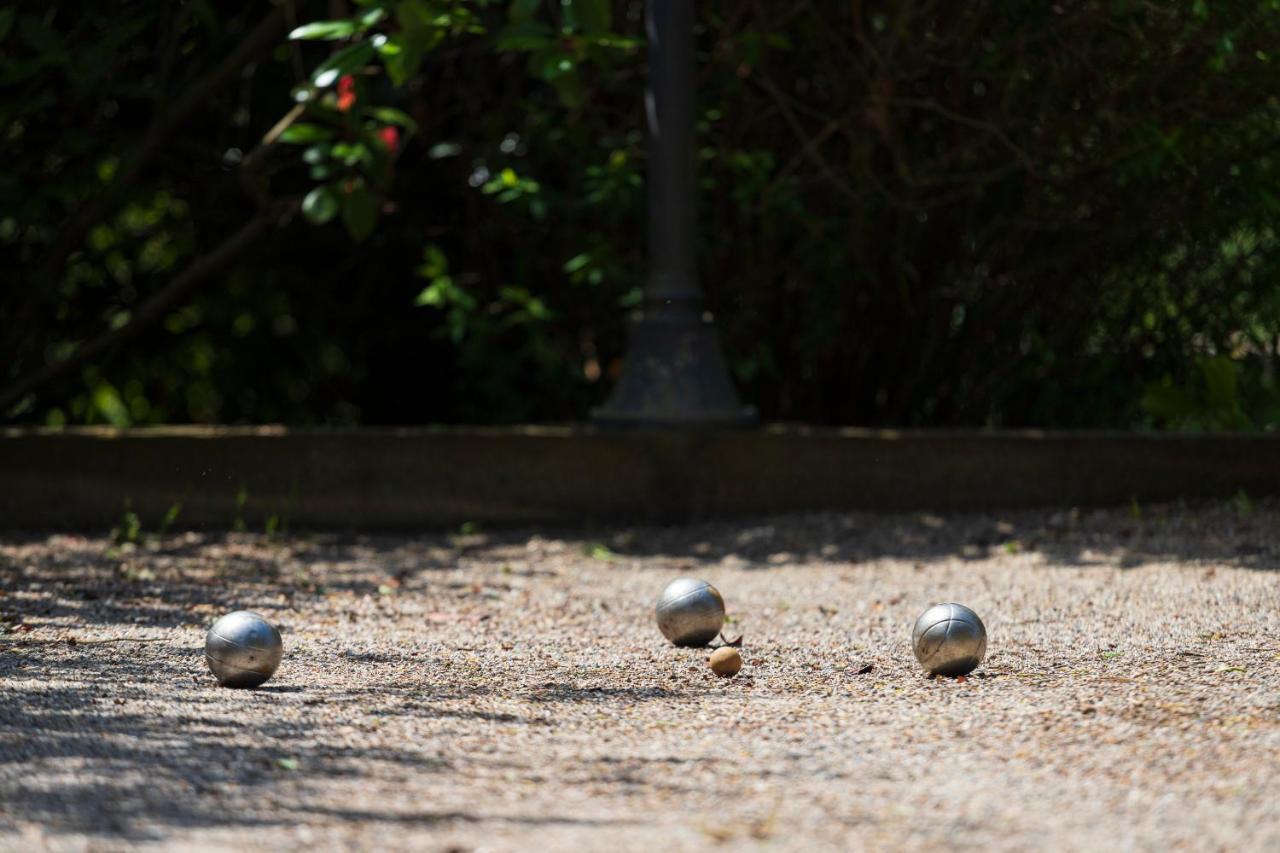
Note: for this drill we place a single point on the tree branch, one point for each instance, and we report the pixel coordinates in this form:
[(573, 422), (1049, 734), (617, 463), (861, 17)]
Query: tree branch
[(153, 309), (994, 130), (73, 233)]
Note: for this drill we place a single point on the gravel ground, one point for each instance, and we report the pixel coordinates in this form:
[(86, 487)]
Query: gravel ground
[(509, 691)]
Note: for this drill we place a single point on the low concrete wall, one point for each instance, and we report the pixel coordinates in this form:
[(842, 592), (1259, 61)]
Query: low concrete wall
[(407, 478)]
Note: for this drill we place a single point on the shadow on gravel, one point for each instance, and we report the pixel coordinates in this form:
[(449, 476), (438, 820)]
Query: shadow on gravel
[(1239, 534), (78, 757), (161, 582), (431, 818), (108, 768), (158, 582), (104, 771), (576, 693)]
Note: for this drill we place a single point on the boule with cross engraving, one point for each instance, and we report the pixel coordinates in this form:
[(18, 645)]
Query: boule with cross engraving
[(949, 639)]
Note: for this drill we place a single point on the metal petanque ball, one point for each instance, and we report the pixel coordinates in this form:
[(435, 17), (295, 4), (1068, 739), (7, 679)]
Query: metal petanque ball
[(690, 612), (243, 649), (949, 639)]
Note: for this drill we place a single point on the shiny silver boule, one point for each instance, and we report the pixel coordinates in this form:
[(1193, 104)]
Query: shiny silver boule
[(949, 639), (690, 612), (243, 649)]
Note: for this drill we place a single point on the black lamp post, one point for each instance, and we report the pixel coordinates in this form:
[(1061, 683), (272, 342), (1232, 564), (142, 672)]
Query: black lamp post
[(673, 372)]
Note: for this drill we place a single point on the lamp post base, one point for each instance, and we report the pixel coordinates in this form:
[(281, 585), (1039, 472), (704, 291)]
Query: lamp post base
[(673, 375)]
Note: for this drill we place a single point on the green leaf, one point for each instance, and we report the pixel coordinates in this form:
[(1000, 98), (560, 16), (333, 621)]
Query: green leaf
[(388, 47), (612, 40), (434, 294), (108, 403), (323, 31), (400, 66), (360, 213), (434, 262), (533, 307), (287, 763), (1220, 380), (529, 35), (304, 133), (439, 293), (424, 24), (351, 153), (345, 61), (553, 65), (6, 21), (599, 551), (320, 205), (1167, 402), (390, 115), (373, 16), (444, 149), (316, 154)]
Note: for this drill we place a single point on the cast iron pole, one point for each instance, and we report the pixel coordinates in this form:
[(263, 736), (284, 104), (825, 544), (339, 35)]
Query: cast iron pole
[(673, 372)]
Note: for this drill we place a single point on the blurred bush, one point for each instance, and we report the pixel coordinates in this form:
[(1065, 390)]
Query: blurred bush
[(912, 213)]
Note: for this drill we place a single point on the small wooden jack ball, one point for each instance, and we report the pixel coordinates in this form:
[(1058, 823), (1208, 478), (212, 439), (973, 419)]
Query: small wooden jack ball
[(726, 661)]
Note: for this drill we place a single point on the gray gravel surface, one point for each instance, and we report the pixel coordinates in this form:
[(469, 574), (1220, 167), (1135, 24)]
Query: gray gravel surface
[(510, 691)]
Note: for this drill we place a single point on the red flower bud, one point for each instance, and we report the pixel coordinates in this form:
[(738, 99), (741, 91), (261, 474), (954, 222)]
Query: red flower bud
[(390, 137), (346, 92)]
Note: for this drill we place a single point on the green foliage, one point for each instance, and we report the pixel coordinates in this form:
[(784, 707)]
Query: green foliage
[(242, 501), (321, 204), (359, 211), (1033, 239), (598, 551), (1211, 401), (170, 517), (129, 530), (911, 214), (401, 35)]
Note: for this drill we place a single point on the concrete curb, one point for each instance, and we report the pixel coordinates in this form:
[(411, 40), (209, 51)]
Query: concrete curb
[(434, 477)]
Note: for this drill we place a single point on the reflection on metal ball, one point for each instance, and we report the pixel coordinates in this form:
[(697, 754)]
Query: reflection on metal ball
[(243, 649), (949, 639), (690, 612)]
